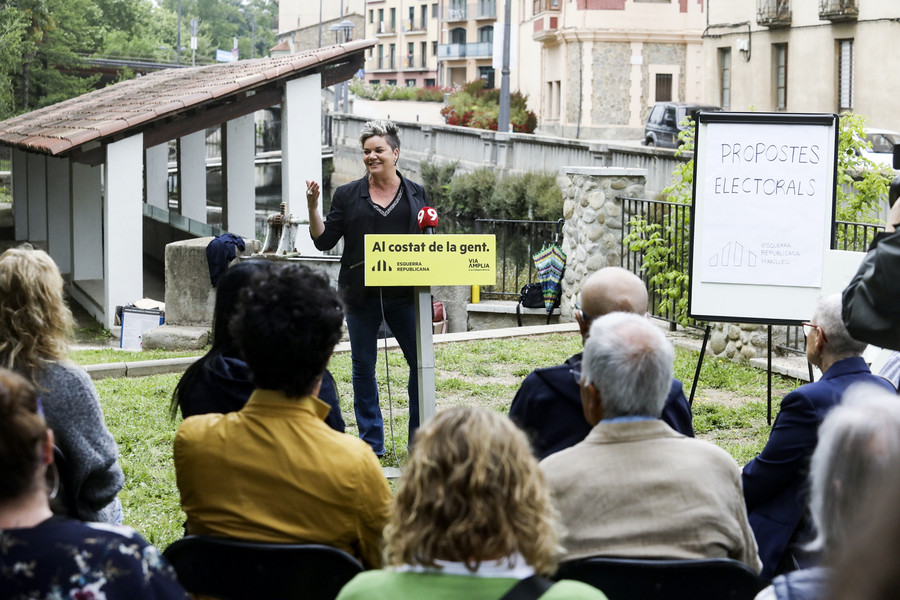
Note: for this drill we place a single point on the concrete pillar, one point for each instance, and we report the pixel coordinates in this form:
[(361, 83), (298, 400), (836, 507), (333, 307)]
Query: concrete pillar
[(192, 175), (636, 81), (239, 176), (87, 222), (156, 175), (123, 253), (20, 193), (37, 197), (59, 214), (301, 150)]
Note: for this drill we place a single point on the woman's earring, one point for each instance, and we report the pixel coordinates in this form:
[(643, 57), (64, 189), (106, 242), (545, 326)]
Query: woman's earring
[(53, 475)]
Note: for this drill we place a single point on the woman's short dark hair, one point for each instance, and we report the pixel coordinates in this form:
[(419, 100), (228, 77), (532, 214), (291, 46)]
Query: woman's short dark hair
[(286, 325), (227, 293), (21, 432)]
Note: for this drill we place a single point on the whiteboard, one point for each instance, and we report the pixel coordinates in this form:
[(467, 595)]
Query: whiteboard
[(762, 215)]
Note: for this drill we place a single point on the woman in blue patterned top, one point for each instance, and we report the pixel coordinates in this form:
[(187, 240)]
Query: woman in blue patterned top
[(43, 556)]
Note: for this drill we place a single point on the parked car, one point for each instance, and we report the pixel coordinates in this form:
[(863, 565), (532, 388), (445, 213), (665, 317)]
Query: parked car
[(883, 142), (665, 121)]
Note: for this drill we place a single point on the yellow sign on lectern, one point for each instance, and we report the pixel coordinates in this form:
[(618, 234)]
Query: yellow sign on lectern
[(422, 260)]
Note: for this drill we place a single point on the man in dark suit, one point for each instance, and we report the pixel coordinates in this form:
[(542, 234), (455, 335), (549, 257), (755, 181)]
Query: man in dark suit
[(774, 481), (548, 404)]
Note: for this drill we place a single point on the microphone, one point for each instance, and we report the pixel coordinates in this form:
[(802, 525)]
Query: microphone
[(428, 219)]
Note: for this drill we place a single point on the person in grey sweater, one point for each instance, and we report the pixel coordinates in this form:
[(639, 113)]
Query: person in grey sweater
[(35, 324)]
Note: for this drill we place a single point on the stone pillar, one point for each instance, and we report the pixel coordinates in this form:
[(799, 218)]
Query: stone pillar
[(592, 234)]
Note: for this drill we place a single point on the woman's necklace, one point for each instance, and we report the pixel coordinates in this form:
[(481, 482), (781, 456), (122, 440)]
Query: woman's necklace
[(383, 195)]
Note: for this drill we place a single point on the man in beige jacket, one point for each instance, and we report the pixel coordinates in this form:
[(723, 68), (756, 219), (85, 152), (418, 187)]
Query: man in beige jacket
[(635, 487)]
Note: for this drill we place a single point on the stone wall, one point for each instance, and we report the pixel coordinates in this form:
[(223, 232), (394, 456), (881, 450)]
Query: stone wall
[(592, 234), (611, 98), (738, 341)]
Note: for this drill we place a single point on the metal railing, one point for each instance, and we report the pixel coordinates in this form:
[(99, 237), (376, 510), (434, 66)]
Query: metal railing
[(675, 221), (471, 49), (773, 13), (517, 241), (674, 218)]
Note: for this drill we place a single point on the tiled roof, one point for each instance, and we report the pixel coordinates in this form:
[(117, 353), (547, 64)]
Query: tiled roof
[(137, 103)]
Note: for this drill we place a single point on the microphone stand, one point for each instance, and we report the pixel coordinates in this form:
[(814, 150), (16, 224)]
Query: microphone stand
[(425, 343)]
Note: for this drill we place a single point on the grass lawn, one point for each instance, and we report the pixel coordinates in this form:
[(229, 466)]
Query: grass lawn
[(729, 409)]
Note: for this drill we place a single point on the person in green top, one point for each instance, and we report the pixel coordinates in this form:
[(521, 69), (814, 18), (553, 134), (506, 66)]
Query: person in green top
[(472, 518)]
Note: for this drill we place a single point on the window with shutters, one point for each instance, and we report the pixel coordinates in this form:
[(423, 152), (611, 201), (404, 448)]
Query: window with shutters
[(845, 75), (663, 87)]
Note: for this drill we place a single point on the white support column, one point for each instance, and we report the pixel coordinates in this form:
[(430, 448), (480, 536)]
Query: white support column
[(192, 175), (37, 198), (301, 150), (156, 175), (239, 173), (123, 252), (20, 193), (59, 214), (87, 223)]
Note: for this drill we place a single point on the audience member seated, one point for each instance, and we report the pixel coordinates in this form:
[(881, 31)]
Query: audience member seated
[(472, 518), (775, 481), (858, 449), (35, 325), (220, 382), (47, 556), (634, 487), (274, 471), (548, 404)]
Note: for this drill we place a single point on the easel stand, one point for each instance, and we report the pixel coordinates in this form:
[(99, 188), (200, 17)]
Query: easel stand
[(768, 371)]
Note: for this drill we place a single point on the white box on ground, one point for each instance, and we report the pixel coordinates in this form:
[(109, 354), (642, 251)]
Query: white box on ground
[(135, 322)]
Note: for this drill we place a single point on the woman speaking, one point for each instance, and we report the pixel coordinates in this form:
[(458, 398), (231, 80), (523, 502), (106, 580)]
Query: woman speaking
[(381, 202)]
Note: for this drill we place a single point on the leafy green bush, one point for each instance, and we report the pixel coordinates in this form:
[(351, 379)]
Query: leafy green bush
[(376, 91), (469, 193), (436, 180)]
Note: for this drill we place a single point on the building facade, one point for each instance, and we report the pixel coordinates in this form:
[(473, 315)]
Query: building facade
[(307, 25), (601, 64), (466, 49), (407, 33), (827, 56)]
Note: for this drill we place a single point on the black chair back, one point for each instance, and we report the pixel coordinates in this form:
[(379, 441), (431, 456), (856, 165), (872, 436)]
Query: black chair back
[(648, 579), (233, 569), (65, 502)]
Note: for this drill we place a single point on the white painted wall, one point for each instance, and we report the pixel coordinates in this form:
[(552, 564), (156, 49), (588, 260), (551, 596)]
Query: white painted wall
[(192, 175), (20, 193), (59, 214), (301, 135), (87, 222), (239, 171), (156, 174), (123, 224), (37, 197)]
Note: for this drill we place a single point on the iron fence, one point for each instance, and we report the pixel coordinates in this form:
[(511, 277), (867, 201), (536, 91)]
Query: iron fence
[(517, 241)]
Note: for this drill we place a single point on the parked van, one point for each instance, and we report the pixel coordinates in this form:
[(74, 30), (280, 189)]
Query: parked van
[(664, 122)]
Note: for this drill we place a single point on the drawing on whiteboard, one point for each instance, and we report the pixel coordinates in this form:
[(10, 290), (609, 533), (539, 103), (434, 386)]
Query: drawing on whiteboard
[(733, 254)]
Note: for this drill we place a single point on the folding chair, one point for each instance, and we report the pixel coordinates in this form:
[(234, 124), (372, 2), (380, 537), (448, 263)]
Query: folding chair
[(648, 579), (233, 569)]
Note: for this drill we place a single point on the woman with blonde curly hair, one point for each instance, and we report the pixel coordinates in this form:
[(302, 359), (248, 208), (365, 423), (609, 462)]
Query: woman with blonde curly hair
[(472, 518), (35, 326)]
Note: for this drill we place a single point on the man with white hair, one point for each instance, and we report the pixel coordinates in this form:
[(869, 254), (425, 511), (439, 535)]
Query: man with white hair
[(548, 404), (634, 487), (775, 481)]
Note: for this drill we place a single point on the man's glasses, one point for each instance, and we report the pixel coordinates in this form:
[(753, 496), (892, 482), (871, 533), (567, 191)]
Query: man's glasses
[(808, 327), (584, 316)]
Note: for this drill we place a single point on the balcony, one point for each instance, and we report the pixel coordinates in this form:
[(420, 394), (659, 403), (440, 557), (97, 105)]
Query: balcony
[(773, 13), (473, 50), (386, 29), (412, 27), (481, 10), (540, 6), (838, 11), (414, 63), (456, 12), (384, 63)]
